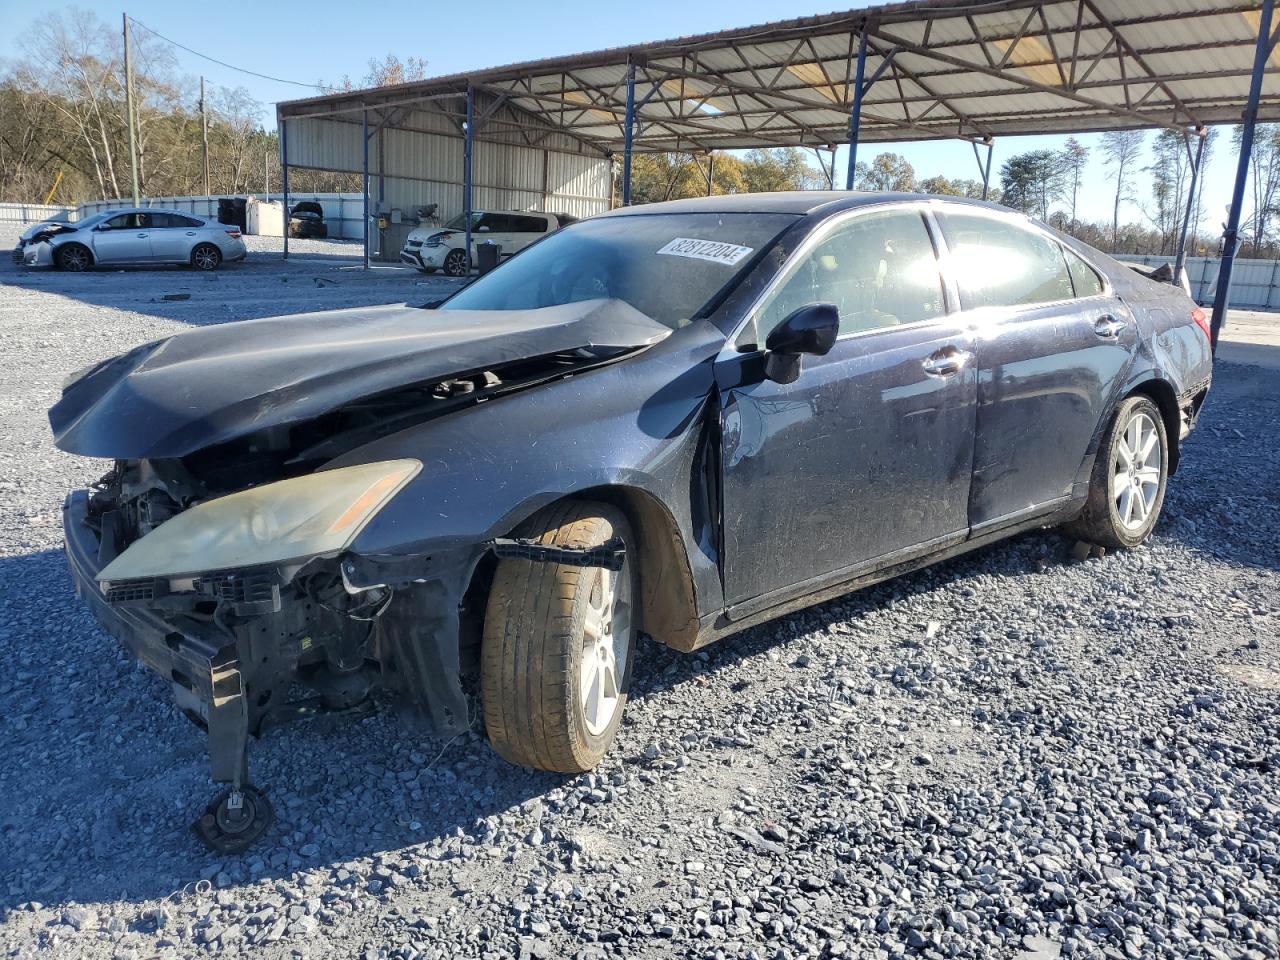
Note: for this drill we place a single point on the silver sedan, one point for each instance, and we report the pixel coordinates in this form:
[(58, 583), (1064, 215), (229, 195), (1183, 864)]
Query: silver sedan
[(135, 236)]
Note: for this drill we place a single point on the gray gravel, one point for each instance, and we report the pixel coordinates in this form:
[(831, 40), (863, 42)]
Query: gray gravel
[(1009, 755)]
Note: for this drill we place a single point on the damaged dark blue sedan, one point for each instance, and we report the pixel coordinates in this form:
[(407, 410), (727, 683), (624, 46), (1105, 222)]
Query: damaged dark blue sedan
[(675, 420)]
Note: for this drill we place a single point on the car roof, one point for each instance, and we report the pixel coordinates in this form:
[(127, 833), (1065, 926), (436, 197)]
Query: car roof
[(798, 202), (120, 210)]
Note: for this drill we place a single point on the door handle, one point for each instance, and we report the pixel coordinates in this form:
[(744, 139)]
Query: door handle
[(1108, 327), (142, 236), (191, 233), (946, 362)]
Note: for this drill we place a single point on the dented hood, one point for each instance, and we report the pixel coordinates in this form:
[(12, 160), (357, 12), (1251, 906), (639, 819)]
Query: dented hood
[(172, 397)]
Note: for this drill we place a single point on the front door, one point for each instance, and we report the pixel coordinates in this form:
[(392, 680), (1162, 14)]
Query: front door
[(867, 455), (1050, 347), (124, 238)]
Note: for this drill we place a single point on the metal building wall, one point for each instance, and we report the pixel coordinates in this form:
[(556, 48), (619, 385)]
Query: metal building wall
[(415, 159)]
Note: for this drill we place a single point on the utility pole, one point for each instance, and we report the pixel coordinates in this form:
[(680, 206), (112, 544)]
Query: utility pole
[(204, 137), (266, 174), (131, 112)]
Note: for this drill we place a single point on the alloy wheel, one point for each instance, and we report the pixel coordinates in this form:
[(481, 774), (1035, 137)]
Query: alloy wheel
[(205, 258), (606, 637), (1135, 472)]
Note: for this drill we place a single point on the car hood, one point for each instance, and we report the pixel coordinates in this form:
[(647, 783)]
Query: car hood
[(172, 397)]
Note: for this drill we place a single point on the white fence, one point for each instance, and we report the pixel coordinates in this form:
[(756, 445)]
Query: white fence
[(342, 211), (1255, 284)]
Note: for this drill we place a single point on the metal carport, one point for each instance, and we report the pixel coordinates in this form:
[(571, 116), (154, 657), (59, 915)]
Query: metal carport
[(909, 71)]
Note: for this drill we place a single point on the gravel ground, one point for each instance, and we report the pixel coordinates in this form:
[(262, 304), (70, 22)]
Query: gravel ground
[(1008, 755)]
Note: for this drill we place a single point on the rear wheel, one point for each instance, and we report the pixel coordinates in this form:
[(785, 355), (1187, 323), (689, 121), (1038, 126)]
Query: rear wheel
[(455, 263), (74, 258), (206, 256), (1126, 491), (558, 644)]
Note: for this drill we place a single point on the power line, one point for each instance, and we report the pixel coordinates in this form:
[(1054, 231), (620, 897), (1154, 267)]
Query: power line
[(223, 63)]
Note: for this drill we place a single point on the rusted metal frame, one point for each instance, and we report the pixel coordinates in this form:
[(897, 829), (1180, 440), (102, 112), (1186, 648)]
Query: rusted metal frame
[(1020, 81), (985, 169), (911, 76), (790, 61), (1075, 44), (1101, 55), (1022, 32), (902, 93), (886, 61), (977, 36), (1053, 47), (1138, 59), (831, 84), (537, 117)]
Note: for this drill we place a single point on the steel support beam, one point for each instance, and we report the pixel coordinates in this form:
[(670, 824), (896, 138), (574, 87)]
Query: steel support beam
[(364, 182), (1231, 235), (855, 112), (284, 179), (1180, 259), (628, 134), (985, 168), (467, 144)]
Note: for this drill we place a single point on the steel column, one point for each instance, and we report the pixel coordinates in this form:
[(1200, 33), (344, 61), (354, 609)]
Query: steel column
[(855, 114), (284, 180), (467, 146), (1231, 235), (986, 171), (628, 134), (364, 129), (1180, 259), (711, 173)]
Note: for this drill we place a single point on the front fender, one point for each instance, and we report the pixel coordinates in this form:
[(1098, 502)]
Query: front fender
[(639, 423)]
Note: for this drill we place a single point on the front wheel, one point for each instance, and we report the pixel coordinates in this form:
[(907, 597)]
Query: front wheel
[(558, 644), (74, 258), (206, 257), (455, 263), (1126, 490)]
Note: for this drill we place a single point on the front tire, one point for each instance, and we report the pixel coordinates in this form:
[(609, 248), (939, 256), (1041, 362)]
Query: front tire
[(74, 258), (1126, 490), (455, 263), (206, 257), (558, 644)]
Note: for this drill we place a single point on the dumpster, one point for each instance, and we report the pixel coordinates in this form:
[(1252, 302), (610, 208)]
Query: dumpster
[(487, 255)]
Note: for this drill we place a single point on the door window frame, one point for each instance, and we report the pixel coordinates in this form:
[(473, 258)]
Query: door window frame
[(921, 208), (1024, 223)]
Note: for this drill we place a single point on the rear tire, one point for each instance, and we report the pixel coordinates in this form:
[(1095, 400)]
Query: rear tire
[(1126, 489), (74, 258), (206, 257), (558, 644)]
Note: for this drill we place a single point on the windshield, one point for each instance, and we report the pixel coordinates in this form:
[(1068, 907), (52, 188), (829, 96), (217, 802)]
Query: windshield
[(92, 221), (668, 266)]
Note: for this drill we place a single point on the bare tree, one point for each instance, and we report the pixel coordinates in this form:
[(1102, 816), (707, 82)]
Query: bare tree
[(1120, 150), (1075, 157)]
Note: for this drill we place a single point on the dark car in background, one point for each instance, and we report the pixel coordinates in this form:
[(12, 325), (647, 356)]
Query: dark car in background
[(674, 420), (306, 219)]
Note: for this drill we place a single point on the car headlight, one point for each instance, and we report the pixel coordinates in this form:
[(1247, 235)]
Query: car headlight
[(319, 514)]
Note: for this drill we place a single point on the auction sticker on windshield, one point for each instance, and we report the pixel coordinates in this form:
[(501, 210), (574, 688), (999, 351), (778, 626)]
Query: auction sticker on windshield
[(711, 250)]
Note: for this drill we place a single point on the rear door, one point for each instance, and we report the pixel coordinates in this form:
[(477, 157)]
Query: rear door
[(124, 238), (526, 228), (172, 237), (867, 455), (1051, 344)]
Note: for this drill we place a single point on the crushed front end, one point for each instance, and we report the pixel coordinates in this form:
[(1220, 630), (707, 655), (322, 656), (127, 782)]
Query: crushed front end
[(237, 639)]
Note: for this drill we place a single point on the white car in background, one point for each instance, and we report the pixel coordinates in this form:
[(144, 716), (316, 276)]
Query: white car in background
[(444, 248), (138, 235)]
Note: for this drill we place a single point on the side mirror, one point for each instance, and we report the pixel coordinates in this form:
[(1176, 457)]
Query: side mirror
[(810, 330)]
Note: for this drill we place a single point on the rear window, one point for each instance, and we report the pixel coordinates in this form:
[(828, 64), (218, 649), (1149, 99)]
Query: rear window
[(998, 263)]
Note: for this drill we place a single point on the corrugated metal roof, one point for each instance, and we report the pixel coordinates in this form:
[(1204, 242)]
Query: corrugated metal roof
[(971, 70)]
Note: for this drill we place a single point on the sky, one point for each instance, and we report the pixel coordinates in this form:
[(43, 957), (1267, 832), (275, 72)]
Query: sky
[(323, 40)]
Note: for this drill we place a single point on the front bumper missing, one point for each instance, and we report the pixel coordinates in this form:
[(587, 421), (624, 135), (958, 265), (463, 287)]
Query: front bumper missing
[(198, 659)]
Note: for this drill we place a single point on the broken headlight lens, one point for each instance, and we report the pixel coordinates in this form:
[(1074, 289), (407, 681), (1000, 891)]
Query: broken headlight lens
[(289, 520)]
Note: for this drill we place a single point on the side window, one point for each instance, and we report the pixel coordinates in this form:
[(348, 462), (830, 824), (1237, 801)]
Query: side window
[(528, 225), (879, 269), (998, 263), (494, 223), (162, 221), (190, 222), (1086, 279), (122, 221)]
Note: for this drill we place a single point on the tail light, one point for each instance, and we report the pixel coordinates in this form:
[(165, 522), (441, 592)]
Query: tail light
[(233, 234), (1202, 321)]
